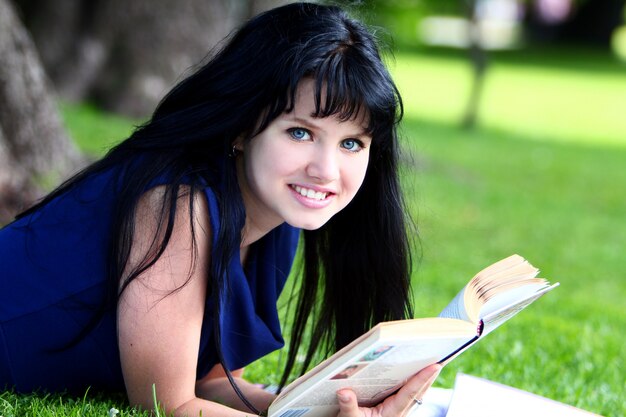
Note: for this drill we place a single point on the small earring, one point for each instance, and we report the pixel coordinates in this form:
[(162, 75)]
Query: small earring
[(233, 152)]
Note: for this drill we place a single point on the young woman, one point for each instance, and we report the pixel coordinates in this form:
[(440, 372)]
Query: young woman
[(162, 262)]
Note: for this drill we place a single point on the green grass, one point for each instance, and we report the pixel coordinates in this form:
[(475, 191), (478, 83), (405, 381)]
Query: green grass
[(41, 405), (544, 177), (94, 131)]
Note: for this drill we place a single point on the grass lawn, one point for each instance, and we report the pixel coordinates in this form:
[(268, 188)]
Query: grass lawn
[(544, 177)]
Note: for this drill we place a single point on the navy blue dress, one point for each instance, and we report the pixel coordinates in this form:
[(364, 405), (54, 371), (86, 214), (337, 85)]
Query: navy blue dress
[(52, 278)]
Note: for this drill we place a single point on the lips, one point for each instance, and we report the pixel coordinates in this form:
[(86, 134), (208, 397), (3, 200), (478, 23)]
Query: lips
[(310, 193)]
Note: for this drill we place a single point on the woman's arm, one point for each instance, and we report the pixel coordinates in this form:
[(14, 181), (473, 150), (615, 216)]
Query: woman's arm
[(160, 313), (216, 387)]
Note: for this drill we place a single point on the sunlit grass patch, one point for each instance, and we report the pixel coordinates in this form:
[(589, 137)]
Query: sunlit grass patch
[(93, 130), (572, 97)]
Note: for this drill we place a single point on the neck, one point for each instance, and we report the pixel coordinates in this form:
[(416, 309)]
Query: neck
[(251, 233)]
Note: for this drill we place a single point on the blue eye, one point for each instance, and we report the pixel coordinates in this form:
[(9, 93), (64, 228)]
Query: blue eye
[(352, 145), (299, 133)]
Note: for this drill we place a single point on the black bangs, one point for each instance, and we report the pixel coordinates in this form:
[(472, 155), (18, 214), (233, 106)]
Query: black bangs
[(340, 97)]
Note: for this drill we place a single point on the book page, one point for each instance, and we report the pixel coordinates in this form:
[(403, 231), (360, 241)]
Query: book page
[(508, 304), (501, 276), (510, 297), (477, 397), (456, 308)]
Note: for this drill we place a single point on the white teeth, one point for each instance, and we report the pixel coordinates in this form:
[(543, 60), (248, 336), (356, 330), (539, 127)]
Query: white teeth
[(306, 192)]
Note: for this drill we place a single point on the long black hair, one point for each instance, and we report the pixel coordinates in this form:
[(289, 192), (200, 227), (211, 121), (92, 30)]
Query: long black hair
[(356, 268)]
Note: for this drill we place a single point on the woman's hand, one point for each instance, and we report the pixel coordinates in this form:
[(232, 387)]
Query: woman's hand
[(397, 405)]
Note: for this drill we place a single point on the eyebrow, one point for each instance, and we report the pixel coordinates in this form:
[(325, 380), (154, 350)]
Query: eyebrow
[(311, 124)]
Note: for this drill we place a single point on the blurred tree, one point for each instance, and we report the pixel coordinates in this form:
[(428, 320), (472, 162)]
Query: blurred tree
[(125, 55), (478, 58), (34, 147)]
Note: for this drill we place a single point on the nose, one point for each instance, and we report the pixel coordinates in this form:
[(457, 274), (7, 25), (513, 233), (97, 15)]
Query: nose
[(323, 164)]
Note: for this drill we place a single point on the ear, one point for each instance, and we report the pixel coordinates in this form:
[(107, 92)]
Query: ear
[(238, 144)]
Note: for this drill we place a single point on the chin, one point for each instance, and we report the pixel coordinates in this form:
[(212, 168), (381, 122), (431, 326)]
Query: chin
[(307, 224)]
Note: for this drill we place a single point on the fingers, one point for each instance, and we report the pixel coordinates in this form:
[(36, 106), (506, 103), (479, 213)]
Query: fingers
[(396, 405), (348, 405), (414, 389)]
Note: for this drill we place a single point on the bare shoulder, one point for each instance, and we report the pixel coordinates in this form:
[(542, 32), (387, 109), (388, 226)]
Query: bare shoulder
[(151, 207), (183, 245)]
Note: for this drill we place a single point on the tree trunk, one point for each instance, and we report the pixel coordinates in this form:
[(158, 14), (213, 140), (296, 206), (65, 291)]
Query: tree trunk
[(151, 44), (71, 51), (478, 58), (34, 148), (125, 55)]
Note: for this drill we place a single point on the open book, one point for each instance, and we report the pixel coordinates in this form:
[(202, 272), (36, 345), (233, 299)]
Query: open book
[(376, 364)]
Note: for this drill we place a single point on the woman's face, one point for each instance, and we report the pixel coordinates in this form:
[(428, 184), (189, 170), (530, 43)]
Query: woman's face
[(302, 170)]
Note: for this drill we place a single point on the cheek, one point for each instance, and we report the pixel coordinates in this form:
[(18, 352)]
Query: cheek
[(268, 164), (355, 175)]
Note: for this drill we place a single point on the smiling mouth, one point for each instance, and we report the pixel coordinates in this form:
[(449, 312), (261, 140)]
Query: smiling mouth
[(309, 193)]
